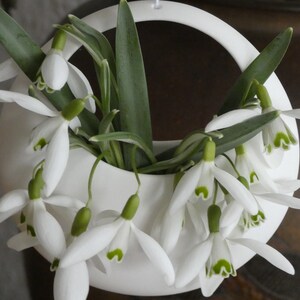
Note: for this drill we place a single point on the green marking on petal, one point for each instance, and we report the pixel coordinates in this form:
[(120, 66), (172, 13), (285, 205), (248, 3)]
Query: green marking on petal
[(269, 148), (31, 231), (117, 252), (54, 264), (281, 140), (22, 217), (224, 268), (258, 218), (253, 175), (40, 144), (201, 190)]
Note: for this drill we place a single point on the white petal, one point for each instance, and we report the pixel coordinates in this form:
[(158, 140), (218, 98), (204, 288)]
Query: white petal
[(48, 231), (185, 188), (231, 214), (56, 158), (65, 201), (55, 70), (294, 113), (75, 123), (155, 254), (14, 200), (27, 102), (230, 118), (196, 218), (285, 200), (193, 262), (170, 229), (22, 241), (80, 86), (288, 186), (90, 243), (270, 254), (237, 190), (105, 217), (45, 131), (101, 263), (71, 283), (8, 70), (209, 284)]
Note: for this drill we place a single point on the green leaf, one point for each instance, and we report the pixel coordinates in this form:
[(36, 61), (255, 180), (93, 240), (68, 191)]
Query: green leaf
[(126, 137), (26, 53), (260, 69), (133, 94), (97, 41), (232, 137)]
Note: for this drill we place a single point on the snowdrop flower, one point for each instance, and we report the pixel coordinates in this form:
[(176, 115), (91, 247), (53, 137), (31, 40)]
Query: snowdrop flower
[(54, 133), (199, 181), (275, 134), (214, 254), (249, 167), (42, 228), (115, 237), (54, 69)]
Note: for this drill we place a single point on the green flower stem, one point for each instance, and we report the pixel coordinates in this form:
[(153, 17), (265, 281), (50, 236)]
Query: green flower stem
[(231, 163), (90, 181), (134, 167)]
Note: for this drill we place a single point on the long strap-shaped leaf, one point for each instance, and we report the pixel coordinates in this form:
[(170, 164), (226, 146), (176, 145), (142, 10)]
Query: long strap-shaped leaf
[(133, 93), (260, 69), (232, 137), (19, 45)]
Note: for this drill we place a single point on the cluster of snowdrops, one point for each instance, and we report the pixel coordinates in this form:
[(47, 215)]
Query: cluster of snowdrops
[(221, 175)]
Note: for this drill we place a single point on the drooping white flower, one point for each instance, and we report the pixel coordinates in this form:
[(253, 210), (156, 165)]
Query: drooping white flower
[(115, 237), (42, 228), (214, 255), (199, 181), (55, 70)]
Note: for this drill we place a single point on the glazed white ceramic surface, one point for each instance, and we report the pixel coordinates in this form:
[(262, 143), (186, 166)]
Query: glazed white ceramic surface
[(112, 186)]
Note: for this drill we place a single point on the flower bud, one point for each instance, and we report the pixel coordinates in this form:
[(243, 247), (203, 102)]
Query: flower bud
[(214, 215), (73, 109), (209, 153), (81, 221), (130, 207)]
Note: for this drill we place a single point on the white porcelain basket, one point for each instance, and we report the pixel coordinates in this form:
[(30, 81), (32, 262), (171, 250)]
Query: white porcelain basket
[(136, 276)]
